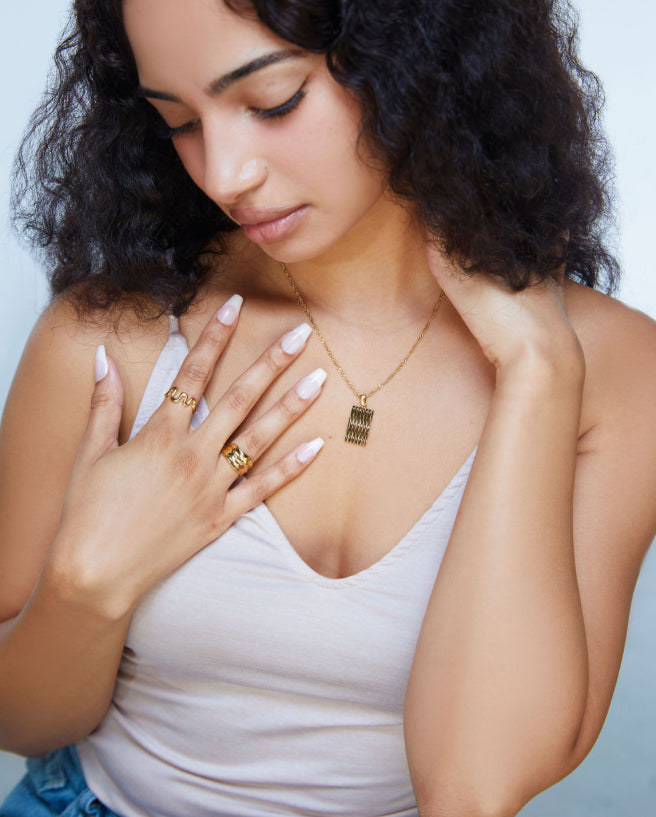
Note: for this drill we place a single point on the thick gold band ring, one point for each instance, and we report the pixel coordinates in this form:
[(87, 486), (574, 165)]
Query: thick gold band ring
[(181, 397), (239, 462)]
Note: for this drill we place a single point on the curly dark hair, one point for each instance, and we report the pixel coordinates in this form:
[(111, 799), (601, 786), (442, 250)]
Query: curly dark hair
[(479, 110)]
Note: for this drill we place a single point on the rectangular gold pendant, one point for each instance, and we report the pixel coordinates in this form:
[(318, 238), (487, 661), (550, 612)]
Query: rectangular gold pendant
[(359, 425)]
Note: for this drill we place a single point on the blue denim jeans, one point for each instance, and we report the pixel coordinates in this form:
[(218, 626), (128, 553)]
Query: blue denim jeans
[(54, 785)]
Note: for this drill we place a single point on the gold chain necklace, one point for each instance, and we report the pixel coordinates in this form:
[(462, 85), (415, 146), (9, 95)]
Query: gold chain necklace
[(359, 424)]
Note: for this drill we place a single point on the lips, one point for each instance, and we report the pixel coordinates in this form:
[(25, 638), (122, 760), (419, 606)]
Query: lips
[(260, 215), (266, 225)]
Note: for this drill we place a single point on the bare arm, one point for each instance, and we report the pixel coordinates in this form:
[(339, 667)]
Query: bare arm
[(84, 535), (49, 643), (521, 644)]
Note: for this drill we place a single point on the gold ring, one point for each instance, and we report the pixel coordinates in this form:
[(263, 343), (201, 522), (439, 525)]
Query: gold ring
[(182, 397), (239, 462)]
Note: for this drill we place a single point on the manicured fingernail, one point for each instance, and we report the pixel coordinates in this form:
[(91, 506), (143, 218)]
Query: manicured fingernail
[(100, 365), (227, 315), (309, 451), (311, 384), (295, 340)]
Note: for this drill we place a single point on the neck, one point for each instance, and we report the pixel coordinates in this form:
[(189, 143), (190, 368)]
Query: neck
[(378, 273)]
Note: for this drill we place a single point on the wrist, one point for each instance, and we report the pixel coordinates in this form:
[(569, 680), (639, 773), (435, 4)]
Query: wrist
[(76, 582), (555, 371)]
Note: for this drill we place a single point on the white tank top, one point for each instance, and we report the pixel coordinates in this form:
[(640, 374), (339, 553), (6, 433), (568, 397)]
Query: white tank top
[(250, 685)]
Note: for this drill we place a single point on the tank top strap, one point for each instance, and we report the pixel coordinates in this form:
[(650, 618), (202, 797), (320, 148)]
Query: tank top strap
[(163, 377)]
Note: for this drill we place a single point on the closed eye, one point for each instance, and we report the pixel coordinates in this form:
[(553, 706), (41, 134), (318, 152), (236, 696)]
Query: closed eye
[(164, 132), (281, 110)]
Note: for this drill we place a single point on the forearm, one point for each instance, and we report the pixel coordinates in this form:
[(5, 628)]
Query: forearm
[(499, 682), (58, 665)]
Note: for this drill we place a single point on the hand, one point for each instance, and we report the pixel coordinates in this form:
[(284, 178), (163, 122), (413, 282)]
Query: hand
[(134, 513), (511, 327)]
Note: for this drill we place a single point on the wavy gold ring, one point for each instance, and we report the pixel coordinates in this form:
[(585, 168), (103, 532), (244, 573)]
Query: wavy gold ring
[(181, 397)]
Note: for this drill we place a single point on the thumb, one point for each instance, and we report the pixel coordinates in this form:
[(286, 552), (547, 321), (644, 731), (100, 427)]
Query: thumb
[(102, 429)]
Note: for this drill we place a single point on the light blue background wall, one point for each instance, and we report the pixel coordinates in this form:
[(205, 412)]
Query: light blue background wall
[(619, 777)]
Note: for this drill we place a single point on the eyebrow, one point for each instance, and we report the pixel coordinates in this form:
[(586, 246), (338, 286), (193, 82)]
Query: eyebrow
[(220, 84)]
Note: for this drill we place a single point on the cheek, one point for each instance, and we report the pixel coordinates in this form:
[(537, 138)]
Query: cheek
[(326, 148)]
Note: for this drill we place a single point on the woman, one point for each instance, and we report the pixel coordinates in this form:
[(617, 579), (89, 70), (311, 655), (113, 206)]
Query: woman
[(422, 177)]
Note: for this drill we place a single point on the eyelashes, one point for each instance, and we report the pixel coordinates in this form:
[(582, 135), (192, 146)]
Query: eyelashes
[(281, 110), (163, 131)]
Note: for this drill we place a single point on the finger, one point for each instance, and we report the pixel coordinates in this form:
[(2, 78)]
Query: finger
[(235, 405), (254, 440), (101, 434), (251, 492), (197, 368)]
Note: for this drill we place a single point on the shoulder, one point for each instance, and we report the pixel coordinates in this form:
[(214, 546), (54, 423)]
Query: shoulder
[(59, 356), (619, 344), (616, 474), (45, 417), (603, 320), (124, 328)]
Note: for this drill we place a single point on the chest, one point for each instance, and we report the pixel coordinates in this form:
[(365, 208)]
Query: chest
[(355, 503), (247, 610), (251, 649)]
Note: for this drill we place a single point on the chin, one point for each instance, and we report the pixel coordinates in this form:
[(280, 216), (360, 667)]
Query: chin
[(296, 250)]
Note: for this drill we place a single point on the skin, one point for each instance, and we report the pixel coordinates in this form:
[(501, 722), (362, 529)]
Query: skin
[(555, 384)]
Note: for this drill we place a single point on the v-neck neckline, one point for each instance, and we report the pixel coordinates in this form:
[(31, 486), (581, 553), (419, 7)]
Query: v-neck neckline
[(177, 343), (406, 541)]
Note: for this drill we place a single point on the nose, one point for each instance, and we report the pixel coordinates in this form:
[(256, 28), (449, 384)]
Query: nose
[(231, 170)]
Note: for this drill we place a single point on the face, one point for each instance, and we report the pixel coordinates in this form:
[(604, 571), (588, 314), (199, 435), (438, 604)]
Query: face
[(260, 126)]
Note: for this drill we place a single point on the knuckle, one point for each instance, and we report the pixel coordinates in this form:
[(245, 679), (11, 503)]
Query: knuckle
[(239, 398), (273, 360), (287, 469), (194, 372), (289, 406), (254, 442), (214, 334), (262, 488), (160, 435), (100, 400)]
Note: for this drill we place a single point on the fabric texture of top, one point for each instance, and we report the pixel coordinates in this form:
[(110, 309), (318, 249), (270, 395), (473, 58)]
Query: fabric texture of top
[(250, 685)]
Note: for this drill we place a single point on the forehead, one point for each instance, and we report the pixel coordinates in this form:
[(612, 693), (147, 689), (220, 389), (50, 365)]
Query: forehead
[(187, 41)]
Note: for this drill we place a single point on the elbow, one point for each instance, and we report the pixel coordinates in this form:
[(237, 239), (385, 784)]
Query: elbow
[(493, 779), (489, 793), (441, 810), (34, 740), (26, 746), (469, 804)]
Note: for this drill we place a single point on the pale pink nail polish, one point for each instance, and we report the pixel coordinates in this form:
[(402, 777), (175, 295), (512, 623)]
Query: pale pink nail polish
[(311, 384), (227, 315), (309, 451), (295, 340), (101, 366)]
